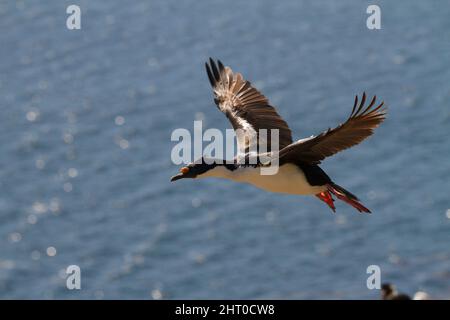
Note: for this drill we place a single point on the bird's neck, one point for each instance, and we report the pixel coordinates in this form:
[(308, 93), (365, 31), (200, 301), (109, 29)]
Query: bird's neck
[(221, 169)]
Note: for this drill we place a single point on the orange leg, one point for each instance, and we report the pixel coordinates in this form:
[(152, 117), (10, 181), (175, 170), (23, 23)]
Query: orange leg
[(327, 198)]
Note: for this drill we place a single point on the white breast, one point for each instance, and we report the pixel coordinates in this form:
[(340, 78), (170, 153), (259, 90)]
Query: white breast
[(289, 179)]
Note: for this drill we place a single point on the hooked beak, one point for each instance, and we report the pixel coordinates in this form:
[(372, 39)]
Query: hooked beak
[(183, 172)]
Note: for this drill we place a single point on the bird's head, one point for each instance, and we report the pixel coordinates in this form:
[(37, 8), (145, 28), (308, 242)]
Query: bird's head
[(193, 170), (387, 290)]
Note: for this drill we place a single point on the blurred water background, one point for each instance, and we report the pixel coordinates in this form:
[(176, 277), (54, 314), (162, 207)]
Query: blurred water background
[(86, 119)]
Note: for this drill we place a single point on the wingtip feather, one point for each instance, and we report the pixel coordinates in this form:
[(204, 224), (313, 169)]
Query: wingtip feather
[(210, 76), (215, 72), (221, 66)]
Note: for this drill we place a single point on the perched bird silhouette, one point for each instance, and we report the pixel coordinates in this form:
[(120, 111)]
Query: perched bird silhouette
[(298, 173), (389, 292)]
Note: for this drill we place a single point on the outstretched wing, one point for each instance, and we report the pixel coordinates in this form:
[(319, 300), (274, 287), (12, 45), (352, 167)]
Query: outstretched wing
[(247, 109), (358, 127)]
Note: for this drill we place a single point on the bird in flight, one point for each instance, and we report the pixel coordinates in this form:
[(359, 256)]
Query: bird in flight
[(298, 173)]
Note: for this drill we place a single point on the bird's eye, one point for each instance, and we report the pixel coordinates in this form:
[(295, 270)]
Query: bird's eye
[(184, 170)]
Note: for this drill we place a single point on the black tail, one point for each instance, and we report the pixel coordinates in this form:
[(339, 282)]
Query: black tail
[(346, 192)]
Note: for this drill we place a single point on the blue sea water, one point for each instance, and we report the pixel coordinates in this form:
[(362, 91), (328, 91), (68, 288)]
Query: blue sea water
[(85, 126)]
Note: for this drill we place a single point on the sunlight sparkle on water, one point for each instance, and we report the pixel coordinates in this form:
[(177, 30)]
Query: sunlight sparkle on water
[(51, 251)]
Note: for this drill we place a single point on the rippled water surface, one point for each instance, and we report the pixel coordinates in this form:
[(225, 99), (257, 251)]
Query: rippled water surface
[(86, 119)]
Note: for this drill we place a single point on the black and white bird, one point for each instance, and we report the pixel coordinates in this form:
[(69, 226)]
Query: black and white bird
[(299, 173)]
